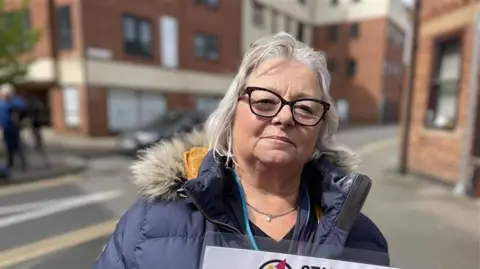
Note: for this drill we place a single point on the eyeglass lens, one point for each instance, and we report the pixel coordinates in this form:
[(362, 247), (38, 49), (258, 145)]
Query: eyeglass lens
[(267, 104)]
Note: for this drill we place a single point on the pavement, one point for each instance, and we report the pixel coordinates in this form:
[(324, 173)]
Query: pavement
[(80, 146), (427, 227), (39, 168), (64, 222)]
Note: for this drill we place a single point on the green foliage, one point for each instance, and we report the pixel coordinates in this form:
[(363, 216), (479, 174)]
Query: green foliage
[(16, 38)]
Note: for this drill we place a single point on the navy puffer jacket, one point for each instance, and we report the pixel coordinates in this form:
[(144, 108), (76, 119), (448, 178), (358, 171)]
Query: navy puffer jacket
[(167, 226)]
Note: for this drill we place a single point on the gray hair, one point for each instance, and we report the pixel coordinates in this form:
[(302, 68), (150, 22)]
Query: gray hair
[(220, 123), (7, 89)]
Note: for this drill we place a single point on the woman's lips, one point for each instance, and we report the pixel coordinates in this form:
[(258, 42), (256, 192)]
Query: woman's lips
[(281, 138)]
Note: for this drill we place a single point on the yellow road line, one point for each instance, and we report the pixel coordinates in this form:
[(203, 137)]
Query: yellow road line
[(56, 243), (39, 185), (378, 145)]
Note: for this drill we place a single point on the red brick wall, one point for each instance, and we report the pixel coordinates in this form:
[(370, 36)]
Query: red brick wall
[(437, 153), (96, 118), (191, 17), (99, 24), (180, 100), (364, 90)]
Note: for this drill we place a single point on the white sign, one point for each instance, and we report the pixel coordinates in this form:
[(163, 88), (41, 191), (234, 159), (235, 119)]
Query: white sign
[(231, 258), (99, 53)]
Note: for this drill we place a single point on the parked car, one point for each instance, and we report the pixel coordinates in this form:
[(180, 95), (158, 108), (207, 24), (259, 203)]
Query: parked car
[(164, 127)]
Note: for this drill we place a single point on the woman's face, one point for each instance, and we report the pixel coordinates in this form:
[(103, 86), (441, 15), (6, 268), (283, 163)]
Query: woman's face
[(278, 139)]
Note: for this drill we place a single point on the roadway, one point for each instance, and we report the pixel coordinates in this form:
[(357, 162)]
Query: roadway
[(64, 222)]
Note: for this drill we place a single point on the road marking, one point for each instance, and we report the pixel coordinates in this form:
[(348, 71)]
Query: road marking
[(96, 231), (17, 208), (39, 185), (56, 243), (375, 146), (67, 204)]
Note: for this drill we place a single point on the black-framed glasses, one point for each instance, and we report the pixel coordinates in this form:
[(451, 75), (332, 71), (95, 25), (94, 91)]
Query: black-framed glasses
[(267, 103)]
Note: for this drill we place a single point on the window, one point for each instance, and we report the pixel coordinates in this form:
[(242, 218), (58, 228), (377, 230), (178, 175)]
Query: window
[(137, 36), (386, 68), (208, 3), (65, 28), (399, 39), (18, 19), (71, 109), (395, 35), (354, 31), (274, 21), (444, 91), (206, 46), (169, 41), (300, 29), (332, 32), (287, 24), (257, 14), (351, 68), (331, 65), (334, 2)]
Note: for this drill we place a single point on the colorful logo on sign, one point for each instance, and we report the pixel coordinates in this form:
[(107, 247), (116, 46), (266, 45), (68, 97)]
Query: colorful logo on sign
[(276, 264)]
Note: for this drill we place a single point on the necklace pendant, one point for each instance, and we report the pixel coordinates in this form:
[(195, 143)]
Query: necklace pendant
[(269, 218)]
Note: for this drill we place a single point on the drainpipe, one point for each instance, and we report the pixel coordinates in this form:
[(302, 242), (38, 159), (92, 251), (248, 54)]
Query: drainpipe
[(467, 164), (408, 100)]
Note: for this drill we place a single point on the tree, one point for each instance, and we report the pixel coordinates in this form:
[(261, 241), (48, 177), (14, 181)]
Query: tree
[(16, 39)]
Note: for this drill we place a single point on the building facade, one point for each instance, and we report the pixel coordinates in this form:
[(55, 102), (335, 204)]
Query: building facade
[(444, 129), (105, 66), (110, 65), (364, 42)]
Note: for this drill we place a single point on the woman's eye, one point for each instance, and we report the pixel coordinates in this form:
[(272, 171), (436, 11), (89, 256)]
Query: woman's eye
[(264, 101)]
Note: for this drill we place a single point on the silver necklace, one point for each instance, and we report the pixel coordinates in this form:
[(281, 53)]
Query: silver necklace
[(270, 217)]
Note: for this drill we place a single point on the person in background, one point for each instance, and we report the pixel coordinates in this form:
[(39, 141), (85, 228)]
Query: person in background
[(265, 174), (12, 113), (35, 113)]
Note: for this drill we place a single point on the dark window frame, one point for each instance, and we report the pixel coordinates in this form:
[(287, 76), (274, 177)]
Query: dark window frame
[(300, 31), (333, 32), (65, 39), (354, 30), (435, 84), (258, 14), (351, 68), (208, 4), (135, 47), (331, 66), (216, 45)]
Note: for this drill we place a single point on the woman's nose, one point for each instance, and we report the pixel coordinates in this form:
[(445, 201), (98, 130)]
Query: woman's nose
[(284, 117)]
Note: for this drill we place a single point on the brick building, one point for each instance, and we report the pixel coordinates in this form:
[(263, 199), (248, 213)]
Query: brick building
[(444, 136), (364, 42), (104, 66)]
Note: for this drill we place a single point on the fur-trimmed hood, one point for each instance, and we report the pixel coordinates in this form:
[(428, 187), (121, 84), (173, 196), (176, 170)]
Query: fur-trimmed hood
[(163, 168)]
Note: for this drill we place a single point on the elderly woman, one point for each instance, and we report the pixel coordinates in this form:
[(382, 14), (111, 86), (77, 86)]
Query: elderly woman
[(267, 168)]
